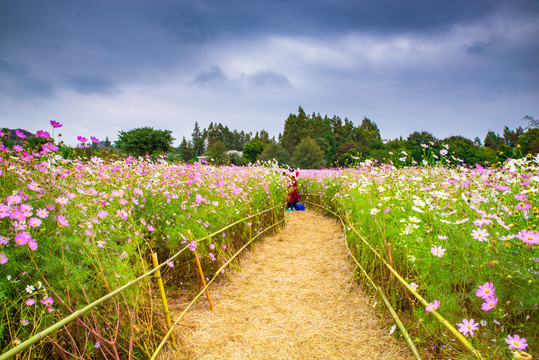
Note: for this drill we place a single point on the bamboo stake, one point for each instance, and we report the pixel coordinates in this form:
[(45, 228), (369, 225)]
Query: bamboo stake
[(250, 227), (201, 273), (163, 295), (391, 277)]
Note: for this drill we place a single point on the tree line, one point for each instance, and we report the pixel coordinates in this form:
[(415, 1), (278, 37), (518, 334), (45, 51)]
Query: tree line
[(315, 141)]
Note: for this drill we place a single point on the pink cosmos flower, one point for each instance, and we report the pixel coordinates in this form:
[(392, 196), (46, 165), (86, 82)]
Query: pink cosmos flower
[(43, 134), (199, 198), (34, 186), (516, 342), (63, 221), (20, 134), (5, 211), (42, 213), (55, 124), (25, 322), (150, 228), (22, 238), (521, 197), (82, 139), (30, 302), (442, 237), (212, 246), (529, 237), (433, 306), (523, 206), (170, 263), (485, 290), (480, 234), (32, 244), (94, 139), (48, 301), (4, 240), (468, 326), (3, 259), (61, 200), (102, 214), (437, 251), (489, 304), (192, 246), (14, 199), (34, 222), (17, 215)]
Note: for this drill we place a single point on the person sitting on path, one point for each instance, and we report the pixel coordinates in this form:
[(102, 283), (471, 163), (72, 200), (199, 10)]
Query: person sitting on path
[(293, 197)]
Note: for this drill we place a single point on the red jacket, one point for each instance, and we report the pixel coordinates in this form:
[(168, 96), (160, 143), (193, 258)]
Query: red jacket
[(294, 194)]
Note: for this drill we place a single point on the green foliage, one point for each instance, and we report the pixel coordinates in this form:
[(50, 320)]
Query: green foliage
[(145, 141), (252, 150), (308, 155), (277, 152), (217, 153)]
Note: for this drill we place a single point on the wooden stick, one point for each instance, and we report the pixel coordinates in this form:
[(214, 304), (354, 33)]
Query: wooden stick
[(163, 295), (201, 273)]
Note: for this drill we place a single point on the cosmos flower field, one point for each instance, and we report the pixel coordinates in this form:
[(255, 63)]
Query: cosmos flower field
[(465, 238), (73, 228)]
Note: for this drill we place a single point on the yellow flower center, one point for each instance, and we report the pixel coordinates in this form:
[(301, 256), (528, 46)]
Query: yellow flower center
[(487, 291), (530, 237), (469, 327)]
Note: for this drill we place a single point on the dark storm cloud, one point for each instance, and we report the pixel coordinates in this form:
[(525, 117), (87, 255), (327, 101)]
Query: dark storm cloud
[(387, 58)]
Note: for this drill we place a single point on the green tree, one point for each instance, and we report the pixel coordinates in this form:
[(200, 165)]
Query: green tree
[(217, 153), (145, 141), (493, 140), (252, 150), (197, 141), (277, 152), (185, 150), (308, 155), (529, 142)]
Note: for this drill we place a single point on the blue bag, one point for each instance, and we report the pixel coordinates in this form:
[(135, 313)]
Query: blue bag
[(300, 207)]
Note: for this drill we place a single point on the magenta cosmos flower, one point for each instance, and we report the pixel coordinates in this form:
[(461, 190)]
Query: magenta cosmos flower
[(437, 251), (480, 234), (3, 259), (516, 342), (529, 237), (43, 134), (433, 306), (468, 326), (82, 139), (55, 124), (489, 304), (94, 140), (485, 290)]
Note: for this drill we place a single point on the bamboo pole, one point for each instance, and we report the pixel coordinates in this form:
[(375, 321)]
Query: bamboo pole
[(163, 295), (391, 277), (250, 227), (201, 273)]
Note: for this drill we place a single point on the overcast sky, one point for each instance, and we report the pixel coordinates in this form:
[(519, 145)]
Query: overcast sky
[(458, 67)]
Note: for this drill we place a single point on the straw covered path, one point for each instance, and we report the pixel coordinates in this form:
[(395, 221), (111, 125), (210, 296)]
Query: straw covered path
[(292, 299)]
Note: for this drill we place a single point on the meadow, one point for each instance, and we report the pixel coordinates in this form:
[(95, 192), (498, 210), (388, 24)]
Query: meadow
[(465, 238), (73, 229), (75, 226)]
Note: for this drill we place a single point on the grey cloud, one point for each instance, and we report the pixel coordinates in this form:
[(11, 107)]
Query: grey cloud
[(267, 78), (213, 76), (91, 84), (262, 79)]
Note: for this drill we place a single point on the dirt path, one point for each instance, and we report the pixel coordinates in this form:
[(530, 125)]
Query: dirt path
[(291, 300)]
